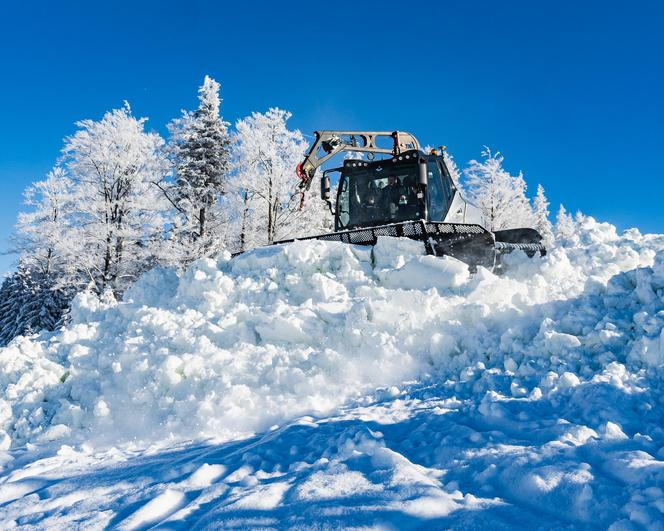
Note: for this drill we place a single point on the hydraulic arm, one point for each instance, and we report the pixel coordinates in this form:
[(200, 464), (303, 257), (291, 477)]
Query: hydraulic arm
[(329, 143)]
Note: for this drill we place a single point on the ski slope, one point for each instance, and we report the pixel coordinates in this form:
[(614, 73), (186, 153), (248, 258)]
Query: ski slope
[(318, 385)]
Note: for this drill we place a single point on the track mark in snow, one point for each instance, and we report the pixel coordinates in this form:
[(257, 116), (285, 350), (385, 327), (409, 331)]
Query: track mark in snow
[(205, 475), (15, 490), (155, 510), (263, 497)]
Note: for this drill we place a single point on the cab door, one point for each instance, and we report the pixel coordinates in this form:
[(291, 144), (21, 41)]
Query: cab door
[(438, 199), (455, 205)]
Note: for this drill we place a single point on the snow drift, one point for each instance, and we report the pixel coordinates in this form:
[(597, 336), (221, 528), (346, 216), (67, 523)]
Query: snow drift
[(236, 346), (556, 353)]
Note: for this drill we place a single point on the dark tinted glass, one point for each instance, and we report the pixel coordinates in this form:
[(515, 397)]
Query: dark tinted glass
[(437, 200), (378, 194)]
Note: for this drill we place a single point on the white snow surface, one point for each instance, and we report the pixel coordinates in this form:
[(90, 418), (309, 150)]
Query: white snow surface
[(320, 385)]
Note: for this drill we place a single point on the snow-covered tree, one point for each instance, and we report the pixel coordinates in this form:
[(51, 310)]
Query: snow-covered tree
[(43, 230), (29, 302), (117, 221), (37, 295), (501, 196), (450, 163), (455, 172), (200, 147), (541, 211), (267, 207), (564, 224)]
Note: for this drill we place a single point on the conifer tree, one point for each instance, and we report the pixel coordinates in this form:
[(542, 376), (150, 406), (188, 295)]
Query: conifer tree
[(200, 147), (564, 224), (452, 167), (37, 295), (541, 211), (29, 302)]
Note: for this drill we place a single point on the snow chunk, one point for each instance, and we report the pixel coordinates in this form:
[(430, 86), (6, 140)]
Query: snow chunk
[(425, 272), (613, 431), (393, 253), (567, 380)]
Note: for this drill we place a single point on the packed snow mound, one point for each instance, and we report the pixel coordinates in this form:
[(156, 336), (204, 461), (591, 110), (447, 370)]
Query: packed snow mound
[(235, 346)]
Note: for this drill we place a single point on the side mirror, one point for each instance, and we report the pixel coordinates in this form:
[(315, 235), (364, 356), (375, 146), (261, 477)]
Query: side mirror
[(325, 188), (423, 177)]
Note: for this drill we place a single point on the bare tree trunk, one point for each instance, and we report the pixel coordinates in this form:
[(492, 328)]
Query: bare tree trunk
[(201, 222), (107, 259), (275, 217), (49, 256), (270, 218), (109, 237), (119, 245), (245, 215), (119, 241)]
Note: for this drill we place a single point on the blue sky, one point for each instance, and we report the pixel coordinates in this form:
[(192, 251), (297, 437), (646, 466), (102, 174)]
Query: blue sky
[(570, 92)]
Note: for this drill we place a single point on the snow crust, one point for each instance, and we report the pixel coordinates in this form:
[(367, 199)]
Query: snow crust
[(378, 377)]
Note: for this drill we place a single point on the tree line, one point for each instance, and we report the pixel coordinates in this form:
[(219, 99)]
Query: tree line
[(121, 200)]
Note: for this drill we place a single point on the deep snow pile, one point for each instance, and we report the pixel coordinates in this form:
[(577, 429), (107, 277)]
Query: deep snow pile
[(234, 347), (538, 388)]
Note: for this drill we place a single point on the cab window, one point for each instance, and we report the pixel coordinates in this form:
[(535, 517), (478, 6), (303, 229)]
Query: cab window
[(447, 182), (343, 205), (436, 198)]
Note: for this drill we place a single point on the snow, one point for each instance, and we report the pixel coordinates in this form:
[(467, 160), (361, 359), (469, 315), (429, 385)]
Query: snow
[(322, 385)]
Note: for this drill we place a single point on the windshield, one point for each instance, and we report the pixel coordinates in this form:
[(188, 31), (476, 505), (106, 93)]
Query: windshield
[(378, 193)]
